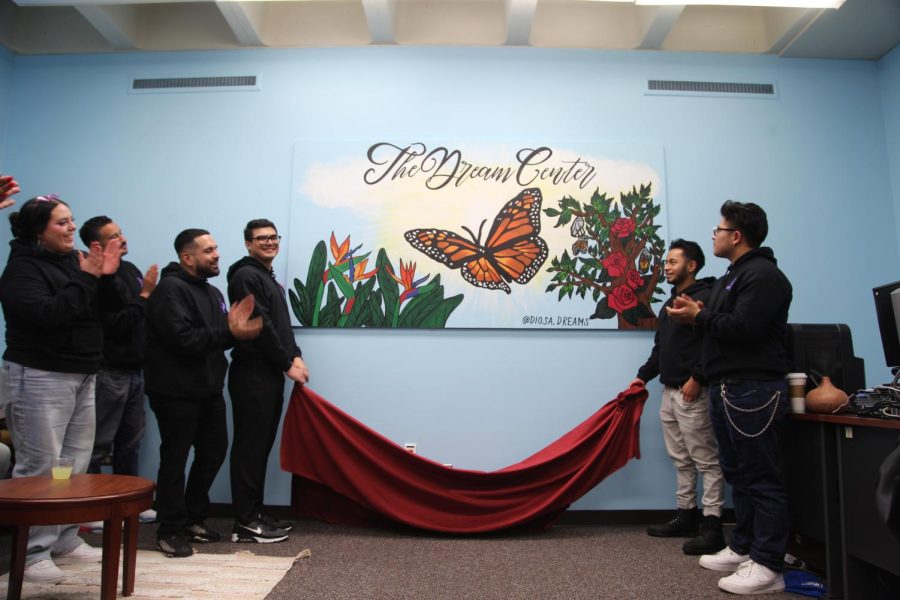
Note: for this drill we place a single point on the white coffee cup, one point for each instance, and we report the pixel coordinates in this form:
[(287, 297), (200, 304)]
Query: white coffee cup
[(797, 390)]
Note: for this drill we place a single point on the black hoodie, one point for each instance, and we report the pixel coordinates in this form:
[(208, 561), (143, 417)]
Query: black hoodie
[(676, 346), (52, 310), (123, 331), (187, 335), (276, 343), (745, 321)]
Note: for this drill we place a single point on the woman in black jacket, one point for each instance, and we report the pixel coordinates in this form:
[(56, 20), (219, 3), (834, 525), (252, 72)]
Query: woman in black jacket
[(51, 297)]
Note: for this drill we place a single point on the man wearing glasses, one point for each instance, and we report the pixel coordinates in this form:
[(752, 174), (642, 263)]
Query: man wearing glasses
[(744, 357), (256, 383)]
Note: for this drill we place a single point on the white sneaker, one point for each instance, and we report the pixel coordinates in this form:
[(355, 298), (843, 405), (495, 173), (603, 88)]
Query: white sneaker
[(726, 560), (83, 553), (752, 578), (148, 516), (43, 571), (92, 527)]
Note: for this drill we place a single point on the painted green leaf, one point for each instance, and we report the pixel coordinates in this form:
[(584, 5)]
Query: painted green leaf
[(331, 313), (343, 285), (437, 318), (390, 291), (603, 310), (419, 307), (299, 305)]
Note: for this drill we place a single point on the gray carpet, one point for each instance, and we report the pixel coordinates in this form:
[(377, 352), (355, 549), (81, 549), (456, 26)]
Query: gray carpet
[(568, 562)]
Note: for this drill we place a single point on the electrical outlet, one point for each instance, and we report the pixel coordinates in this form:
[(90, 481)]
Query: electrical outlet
[(410, 447)]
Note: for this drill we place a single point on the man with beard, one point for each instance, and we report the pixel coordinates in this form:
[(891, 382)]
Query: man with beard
[(684, 411), (188, 329), (256, 383), (744, 356), (119, 401)]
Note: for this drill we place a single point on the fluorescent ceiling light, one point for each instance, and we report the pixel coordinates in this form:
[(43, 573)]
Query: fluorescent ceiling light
[(770, 3)]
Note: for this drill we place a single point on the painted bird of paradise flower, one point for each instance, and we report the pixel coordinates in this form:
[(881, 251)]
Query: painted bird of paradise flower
[(352, 298)]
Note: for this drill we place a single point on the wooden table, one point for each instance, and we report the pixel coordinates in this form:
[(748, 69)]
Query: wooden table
[(28, 501)]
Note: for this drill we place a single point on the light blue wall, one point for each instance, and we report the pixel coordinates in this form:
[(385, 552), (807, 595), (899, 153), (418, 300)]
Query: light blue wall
[(6, 75), (815, 157), (889, 70)]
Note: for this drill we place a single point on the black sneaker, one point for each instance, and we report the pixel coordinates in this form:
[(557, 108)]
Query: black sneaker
[(257, 531), (710, 539), (201, 534), (685, 524), (174, 545), (276, 523)]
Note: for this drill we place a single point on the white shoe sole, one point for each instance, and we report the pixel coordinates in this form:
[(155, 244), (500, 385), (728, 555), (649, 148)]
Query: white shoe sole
[(775, 586), (50, 580), (256, 539), (721, 567)]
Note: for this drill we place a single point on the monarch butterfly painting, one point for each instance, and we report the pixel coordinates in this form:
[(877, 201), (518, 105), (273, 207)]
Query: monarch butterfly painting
[(513, 250)]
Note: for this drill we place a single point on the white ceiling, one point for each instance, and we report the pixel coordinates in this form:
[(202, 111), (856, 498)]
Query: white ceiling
[(860, 29)]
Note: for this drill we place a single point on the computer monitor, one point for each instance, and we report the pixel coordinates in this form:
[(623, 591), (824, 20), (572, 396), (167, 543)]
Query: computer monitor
[(819, 349), (887, 310)]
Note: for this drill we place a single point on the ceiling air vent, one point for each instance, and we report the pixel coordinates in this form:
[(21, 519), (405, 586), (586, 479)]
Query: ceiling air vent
[(229, 83), (661, 87)]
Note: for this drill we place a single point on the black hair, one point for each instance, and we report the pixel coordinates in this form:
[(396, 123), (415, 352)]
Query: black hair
[(33, 217), (186, 238), (691, 251), (257, 224), (90, 229), (748, 218)]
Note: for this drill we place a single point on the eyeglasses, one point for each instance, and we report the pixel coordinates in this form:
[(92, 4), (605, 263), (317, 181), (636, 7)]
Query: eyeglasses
[(275, 239), (716, 230)]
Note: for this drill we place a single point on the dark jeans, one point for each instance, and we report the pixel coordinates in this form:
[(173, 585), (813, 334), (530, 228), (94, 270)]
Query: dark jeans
[(119, 408), (257, 396), (747, 432), (186, 423)]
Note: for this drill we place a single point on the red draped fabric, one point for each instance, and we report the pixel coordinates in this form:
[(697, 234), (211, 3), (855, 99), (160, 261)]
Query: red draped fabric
[(348, 473)]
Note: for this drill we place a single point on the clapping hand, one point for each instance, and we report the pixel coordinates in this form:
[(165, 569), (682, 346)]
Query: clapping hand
[(101, 261), (240, 324), (8, 188), (150, 279), (684, 309)]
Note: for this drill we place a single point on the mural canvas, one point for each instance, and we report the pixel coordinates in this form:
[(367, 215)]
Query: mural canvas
[(568, 235)]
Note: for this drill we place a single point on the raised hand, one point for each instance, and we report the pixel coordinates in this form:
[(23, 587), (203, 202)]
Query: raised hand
[(150, 279), (684, 309), (8, 188), (112, 256), (240, 324)]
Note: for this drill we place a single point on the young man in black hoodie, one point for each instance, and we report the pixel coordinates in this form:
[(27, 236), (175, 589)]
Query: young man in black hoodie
[(188, 329), (256, 383), (744, 357), (684, 410)]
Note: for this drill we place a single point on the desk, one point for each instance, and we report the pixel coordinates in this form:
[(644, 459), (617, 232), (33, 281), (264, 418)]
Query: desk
[(28, 501), (831, 466)]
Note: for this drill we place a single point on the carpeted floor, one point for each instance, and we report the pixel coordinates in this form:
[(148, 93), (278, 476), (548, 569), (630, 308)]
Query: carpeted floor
[(568, 562)]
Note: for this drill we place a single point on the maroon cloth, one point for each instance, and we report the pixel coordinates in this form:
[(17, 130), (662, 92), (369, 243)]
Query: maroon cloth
[(348, 473)]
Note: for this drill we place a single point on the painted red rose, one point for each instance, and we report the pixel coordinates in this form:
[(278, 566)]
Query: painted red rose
[(622, 298), (634, 279), (623, 227), (615, 264)]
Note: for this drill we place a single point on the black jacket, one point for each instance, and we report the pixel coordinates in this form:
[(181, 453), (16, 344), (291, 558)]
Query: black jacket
[(187, 334), (52, 310), (276, 343), (745, 321), (676, 347), (124, 334)]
